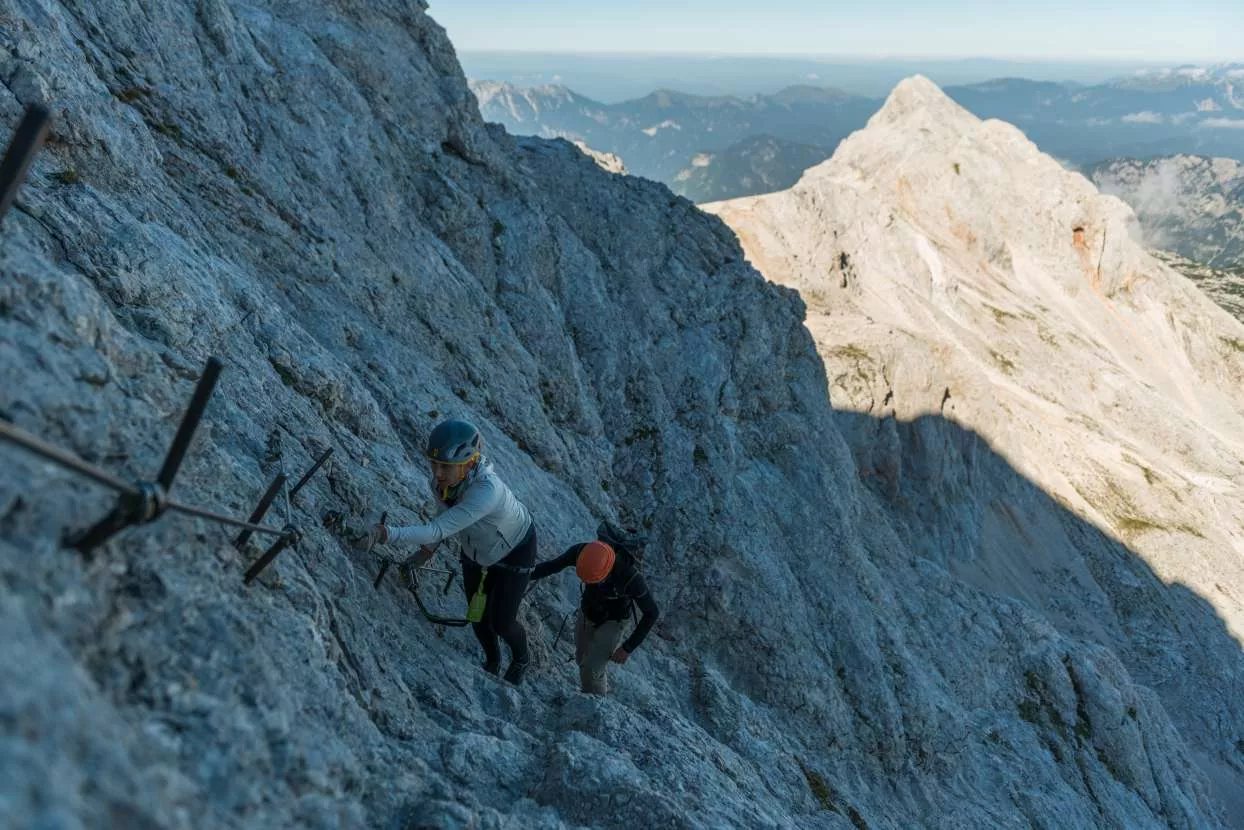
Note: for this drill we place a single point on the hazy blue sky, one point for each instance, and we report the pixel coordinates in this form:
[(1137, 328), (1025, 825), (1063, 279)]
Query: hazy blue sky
[(1156, 30)]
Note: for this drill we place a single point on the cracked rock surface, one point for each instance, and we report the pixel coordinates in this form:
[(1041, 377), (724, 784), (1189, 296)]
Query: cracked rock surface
[(306, 191)]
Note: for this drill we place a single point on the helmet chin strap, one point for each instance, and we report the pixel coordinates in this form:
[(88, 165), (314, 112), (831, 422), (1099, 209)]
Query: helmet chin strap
[(450, 494)]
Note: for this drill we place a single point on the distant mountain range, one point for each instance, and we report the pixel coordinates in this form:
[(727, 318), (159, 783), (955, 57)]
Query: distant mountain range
[(757, 164), (726, 146), (620, 77), (1183, 110), (659, 135)]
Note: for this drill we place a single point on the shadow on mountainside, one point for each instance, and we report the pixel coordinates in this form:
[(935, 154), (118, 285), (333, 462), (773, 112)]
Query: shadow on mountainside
[(962, 505)]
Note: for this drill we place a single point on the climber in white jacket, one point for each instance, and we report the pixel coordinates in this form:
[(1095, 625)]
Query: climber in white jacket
[(496, 533)]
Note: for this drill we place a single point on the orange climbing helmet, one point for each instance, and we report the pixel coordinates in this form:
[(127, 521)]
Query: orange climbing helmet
[(595, 562)]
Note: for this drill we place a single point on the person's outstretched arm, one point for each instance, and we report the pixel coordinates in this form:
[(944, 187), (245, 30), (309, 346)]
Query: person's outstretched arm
[(477, 503), (552, 566)]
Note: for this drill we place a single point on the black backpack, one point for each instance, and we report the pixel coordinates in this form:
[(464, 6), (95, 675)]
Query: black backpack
[(626, 544)]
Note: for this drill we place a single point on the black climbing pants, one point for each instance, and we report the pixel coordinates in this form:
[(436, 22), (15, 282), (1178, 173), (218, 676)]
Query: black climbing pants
[(505, 585)]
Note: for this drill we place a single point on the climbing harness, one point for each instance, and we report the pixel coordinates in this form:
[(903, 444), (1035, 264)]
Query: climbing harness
[(514, 569)]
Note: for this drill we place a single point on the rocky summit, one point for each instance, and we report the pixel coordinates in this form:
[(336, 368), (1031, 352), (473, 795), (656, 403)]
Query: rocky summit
[(994, 584), (959, 281)]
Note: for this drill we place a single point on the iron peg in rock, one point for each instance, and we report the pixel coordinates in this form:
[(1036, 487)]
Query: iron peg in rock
[(293, 491), (260, 510), (290, 537), (27, 139), (384, 567), (151, 499), (145, 501)]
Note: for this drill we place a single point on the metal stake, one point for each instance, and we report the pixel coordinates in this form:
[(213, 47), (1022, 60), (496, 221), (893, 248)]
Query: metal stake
[(27, 139), (289, 538), (260, 510)]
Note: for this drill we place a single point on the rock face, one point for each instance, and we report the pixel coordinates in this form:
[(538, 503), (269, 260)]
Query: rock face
[(1191, 205), (307, 190), (605, 161), (951, 268)]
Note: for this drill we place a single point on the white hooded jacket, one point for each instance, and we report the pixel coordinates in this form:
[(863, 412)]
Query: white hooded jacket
[(487, 520)]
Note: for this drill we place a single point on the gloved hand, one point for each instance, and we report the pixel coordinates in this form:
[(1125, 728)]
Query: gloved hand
[(378, 535), (411, 564)]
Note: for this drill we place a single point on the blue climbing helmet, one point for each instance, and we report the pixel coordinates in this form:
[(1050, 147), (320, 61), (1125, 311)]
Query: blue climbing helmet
[(457, 443), (454, 442)]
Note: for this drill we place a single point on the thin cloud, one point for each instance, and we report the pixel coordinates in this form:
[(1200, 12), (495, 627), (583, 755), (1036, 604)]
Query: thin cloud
[(1223, 123), (1156, 191), (1146, 117)]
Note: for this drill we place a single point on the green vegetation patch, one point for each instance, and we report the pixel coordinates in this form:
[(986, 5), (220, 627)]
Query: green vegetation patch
[(850, 351), (820, 790), (1006, 364)]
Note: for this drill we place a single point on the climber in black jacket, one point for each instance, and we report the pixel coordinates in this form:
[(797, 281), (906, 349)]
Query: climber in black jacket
[(612, 584)]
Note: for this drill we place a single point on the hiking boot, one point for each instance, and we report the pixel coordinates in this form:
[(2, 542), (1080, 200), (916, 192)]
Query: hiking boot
[(493, 667), (514, 674)]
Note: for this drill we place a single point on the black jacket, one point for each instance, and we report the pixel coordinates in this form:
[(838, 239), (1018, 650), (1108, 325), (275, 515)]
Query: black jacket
[(611, 598)]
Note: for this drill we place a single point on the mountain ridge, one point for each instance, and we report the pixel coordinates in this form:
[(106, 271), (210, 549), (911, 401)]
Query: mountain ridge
[(1079, 124), (969, 272)]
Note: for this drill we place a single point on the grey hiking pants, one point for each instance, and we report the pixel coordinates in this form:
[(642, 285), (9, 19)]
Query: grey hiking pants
[(593, 646)]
